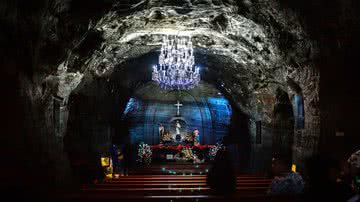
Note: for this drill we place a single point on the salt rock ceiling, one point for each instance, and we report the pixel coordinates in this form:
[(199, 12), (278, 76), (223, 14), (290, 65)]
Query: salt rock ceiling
[(252, 48)]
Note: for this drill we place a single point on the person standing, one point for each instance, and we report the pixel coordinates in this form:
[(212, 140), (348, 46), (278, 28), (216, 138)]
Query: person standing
[(221, 176), (126, 159), (115, 160)]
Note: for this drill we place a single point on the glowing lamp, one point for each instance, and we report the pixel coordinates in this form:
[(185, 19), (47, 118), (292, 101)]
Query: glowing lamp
[(105, 161)]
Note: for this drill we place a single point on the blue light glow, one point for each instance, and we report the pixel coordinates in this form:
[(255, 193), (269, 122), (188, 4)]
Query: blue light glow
[(130, 106), (143, 119)]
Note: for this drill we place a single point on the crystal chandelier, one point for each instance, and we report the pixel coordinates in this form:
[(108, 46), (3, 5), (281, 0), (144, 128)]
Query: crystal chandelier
[(176, 68)]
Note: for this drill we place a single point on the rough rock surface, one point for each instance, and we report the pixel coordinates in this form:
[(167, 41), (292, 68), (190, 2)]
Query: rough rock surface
[(251, 47), (259, 52)]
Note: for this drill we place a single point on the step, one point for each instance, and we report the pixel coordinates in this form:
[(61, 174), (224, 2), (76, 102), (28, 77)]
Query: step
[(167, 197), (183, 176), (159, 186), (152, 190), (179, 184), (174, 180)]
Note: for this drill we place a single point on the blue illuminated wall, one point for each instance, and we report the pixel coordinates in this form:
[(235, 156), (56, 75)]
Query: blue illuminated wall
[(210, 115), (299, 112)]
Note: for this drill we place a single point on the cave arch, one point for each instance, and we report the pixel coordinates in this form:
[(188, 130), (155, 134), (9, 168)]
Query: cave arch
[(104, 99), (247, 65)]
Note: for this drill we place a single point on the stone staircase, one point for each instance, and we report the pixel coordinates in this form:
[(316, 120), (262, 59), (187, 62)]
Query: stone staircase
[(170, 183)]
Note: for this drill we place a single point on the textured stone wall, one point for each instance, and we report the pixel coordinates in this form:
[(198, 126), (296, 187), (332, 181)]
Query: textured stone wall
[(262, 45)]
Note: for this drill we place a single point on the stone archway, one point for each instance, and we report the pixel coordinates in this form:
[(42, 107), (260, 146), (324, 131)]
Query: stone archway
[(249, 59)]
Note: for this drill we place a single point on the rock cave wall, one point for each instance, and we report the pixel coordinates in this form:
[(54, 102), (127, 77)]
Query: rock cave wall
[(265, 45), (252, 52)]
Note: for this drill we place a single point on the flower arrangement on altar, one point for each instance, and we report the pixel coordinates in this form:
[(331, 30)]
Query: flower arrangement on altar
[(144, 154), (181, 147), (196, 154), (213, 151), (167, 137), (189, 137), (188, 154)]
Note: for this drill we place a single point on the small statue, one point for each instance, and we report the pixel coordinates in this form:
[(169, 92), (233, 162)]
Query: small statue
[(196, 137), (161, 133), (177, 127)]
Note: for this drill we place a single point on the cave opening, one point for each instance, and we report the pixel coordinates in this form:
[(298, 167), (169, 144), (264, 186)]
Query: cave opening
[(127, 109), (83, 84)]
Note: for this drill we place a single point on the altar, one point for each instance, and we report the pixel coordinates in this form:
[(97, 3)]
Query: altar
[(176, 153), (178, 143), (194, 154), (178, 132)]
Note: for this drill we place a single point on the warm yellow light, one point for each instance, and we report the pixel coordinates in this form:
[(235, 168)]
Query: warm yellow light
[(108, 169), (293, 168), (108, 176), (105, 161)]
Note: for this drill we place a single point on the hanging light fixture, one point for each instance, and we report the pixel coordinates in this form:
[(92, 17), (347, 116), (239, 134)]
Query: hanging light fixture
[(176, 68)]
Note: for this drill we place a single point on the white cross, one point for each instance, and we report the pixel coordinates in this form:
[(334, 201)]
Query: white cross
[(178, 105)]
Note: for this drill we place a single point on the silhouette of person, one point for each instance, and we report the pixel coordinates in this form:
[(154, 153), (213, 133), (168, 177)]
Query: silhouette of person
[(323, 172), (285, 181), (221, 176), (126, 159), (352, 175)]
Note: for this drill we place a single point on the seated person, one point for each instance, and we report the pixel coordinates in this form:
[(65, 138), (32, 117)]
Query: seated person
[(285, 181), (323, 183), (353, 173)]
